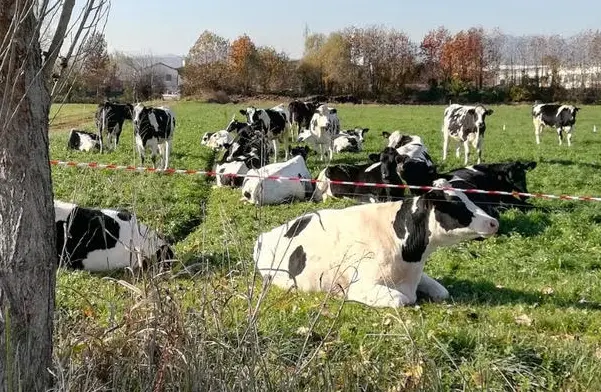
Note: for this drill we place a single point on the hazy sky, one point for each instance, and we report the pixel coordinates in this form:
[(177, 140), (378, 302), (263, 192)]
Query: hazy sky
[(171, 27)]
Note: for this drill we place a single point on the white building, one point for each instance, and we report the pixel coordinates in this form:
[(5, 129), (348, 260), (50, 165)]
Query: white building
[(569, 77), (168, 75)]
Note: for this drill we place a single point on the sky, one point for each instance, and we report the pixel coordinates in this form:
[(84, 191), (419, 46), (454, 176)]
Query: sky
[(162, 27)]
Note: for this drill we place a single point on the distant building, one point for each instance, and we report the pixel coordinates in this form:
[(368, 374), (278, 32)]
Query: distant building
[(169, 76), (569, 77)]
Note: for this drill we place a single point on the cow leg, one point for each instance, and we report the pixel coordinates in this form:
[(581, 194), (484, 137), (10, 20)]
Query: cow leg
[(379, 296), (167, 152), (445, 144), (479, 142), (116, 133), (537, 131), (286, 143), (466, 151), (432, 288), (275, 150), (569, 135), (140, 148), (560, 135)]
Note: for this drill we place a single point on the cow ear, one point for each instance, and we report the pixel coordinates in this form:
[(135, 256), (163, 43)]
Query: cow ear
[(400, 158), (374, 157), (385, 134), (530, 165), (471, 111), (365, 130), (243, 112), (489, 112), (576, 109)]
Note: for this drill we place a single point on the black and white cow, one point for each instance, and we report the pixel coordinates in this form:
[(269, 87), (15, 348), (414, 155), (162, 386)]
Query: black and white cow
[(104, 239), (371, 253), (416, 166), (274, 122), (560, 117), (323, 128), (384, 170), (259, 190), (216, 140), (465, 124), (83, 141), (154, 128), (251, 146), (301, 114), (506, 177), (350, 140), (110, 117)]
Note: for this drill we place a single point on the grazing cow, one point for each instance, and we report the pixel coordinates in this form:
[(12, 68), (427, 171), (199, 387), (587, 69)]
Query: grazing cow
[(323, 127), (154, 128), (301, 114), (274, 122), (506, 177), (465, 124), (264, 191), (371, 253), (416, 167), (216, 140), (350, 140), (560, 117), (83, 141), (384, 170), (110, 118), (103, 239)]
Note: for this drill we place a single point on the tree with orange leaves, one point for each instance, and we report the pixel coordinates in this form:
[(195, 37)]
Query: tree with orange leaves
[(243, 62)]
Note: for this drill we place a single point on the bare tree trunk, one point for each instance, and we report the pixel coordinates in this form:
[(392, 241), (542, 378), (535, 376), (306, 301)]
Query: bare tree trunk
[(27, 232)]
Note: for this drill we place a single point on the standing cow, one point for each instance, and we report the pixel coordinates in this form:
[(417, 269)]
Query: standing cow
[(110, 118), (371, 253), (465, 124), (274, 123), (154, 129), (560, 117)]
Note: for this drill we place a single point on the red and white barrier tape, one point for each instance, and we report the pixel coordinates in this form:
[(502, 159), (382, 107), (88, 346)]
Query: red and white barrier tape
[(110, 166)]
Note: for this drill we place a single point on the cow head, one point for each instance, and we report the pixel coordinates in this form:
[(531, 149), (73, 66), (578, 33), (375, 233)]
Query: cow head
[(253, 117), (480, 112), (567, 114), (514, 174), (416, 172), (456, 218), (359, 133), (205, 138), (397, 139), (302, 151), (388, 159)]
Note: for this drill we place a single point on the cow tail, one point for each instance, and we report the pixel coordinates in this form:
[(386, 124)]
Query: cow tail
[(102, 127)]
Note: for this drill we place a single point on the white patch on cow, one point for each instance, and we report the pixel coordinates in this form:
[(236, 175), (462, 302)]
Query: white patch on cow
[(218, 140), (236, 167), (264, 191)]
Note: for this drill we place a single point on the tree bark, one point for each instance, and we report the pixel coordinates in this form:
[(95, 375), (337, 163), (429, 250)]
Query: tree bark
[(27, 231)]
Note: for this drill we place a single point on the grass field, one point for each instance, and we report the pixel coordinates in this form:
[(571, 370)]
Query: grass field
[(525, 312)]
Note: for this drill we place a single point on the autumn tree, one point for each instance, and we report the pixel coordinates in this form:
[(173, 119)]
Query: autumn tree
[(310, 69), (431, 49), (273, 69), (336, 65), (243, 62), (96, 65), (206, 64)]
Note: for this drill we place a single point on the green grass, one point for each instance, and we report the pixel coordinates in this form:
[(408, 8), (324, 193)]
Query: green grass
[(525, 311)]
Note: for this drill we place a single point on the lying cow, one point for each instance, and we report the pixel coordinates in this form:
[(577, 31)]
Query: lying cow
[(416, 166), (560, 117), (264, 191), (506, 177), (250, 146), (465, 124), (384, 170), (371, 253), (109, 118), (83, 141), (274, 123), (350, 140), (153, 129), (104, 239), (216, 140)]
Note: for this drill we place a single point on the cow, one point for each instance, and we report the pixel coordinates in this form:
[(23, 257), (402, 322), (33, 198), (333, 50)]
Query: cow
[(95, 239), (416, 166), (506, 177), (230, 174), (83, 141), (301, 114), (560, 117), (154, 128), (250, 146), (350, 140), (110, 117), (371, 253), (274, 122), (265, 191), (383, 169), (324, 125), (216, 140), (465, 124)]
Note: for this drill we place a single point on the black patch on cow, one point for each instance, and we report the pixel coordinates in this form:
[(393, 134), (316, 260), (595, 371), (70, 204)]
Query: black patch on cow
[(299, 225), (450, 212), (145, 129), (247, 194), (87, 230), (416, 224), (114, 115), (74, 140), (297, 262), (124, 215), (221, 170)]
